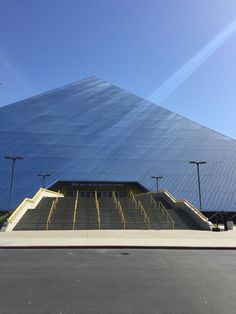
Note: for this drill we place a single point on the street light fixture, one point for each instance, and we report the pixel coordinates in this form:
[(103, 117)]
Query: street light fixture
[(44, 175), (157, 180), (197, 163), (13, 159)]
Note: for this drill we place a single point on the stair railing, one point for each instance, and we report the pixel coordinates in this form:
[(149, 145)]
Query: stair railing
[(52, 209), (133, 199), (161, 207), (50, 213), (164, 211), (75, 209), (119, 207), (114, 198), (58, 192), (152, 200), (138, 205), (143, 212), (98, 210)]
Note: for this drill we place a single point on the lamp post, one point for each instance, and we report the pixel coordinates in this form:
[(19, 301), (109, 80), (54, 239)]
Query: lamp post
[(44, 175), (13, 159), (157, 181), (197, 163)]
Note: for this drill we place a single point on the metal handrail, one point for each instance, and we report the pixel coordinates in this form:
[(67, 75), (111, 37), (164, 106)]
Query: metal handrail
[(75, 209), (131, 194), (114, 198), (162, 208), (57, 198), (98, 210), (152, 200), (168, 217), (50, 213), (143, 212), (53, 207), (138, 205), (119, 207)]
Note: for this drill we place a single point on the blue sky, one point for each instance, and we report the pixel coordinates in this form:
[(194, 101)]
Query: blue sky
[(136, 44)]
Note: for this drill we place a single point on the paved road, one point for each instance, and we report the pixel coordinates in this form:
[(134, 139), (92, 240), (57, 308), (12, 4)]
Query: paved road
[(107, 281)]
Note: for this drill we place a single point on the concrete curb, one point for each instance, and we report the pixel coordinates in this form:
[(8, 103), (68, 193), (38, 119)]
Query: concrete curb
[(115, 247)]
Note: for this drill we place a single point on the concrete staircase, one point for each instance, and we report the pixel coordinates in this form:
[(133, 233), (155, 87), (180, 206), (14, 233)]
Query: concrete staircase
[(159, 220), (133, 217), (182, 220), (86, 217), (36, 219), (62, 218), (110, 218)]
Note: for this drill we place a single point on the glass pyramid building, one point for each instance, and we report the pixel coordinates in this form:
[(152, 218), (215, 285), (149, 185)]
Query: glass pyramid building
[(92, 131)]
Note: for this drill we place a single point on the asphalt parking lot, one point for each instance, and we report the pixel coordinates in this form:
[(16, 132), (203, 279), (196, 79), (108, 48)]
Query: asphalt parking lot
[(65, 281)]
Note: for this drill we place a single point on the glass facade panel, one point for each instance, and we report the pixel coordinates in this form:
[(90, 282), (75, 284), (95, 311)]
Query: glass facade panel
[(94, 131)]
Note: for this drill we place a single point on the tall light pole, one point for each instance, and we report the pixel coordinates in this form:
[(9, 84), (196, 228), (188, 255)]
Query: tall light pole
[(197, 163), (13, 159), (157, 180), (44, 175)]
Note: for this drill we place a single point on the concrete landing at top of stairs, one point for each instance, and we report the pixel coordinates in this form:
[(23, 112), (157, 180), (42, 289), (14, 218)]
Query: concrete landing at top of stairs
[(119, 238)]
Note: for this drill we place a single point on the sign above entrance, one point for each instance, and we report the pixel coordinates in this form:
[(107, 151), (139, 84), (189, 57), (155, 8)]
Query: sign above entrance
[(98, 184)]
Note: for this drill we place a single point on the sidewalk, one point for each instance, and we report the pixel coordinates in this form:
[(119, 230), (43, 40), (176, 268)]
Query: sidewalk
[(119, 238)]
